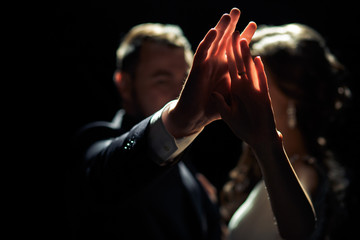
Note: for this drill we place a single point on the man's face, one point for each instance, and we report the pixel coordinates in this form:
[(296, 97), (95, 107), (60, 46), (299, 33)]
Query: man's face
[(159, 76)]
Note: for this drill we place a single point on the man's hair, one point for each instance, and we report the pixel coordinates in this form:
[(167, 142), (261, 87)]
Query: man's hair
[(127, 55)]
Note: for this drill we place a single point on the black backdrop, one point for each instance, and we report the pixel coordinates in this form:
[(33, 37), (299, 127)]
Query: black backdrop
[(81, 39), (85, 37)]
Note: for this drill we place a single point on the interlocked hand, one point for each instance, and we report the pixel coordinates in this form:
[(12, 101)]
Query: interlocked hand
[(248, 112), (209, 72)]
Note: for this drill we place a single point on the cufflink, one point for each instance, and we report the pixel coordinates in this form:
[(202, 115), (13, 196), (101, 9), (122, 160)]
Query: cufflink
[(129, 144)]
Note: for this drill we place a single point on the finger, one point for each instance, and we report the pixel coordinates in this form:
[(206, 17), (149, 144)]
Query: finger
[(221, 105), (233, 71), (261, 75), (238, 57), (249, 31), (249, 64), (220, 27), (234, 15), (247, 34), (203, 48)]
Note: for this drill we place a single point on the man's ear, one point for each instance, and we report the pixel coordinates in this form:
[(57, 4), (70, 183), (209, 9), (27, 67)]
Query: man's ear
[(123, 84)]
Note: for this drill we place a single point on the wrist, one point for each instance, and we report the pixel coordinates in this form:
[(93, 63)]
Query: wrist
[(176, 123), (270, 146)]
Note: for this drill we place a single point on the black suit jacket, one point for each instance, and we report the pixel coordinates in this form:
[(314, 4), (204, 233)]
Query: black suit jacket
[(128, 196)]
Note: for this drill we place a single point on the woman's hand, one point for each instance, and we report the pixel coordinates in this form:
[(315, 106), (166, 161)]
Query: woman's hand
[(248, 111)]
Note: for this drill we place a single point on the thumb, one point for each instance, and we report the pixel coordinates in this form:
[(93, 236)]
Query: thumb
[(222, 107)]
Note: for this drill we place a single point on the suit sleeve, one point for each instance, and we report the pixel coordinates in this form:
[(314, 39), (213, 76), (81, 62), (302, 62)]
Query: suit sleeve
[(119, 166)]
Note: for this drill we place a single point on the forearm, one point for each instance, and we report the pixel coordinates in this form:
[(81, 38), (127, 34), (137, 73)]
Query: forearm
[(292, 207)]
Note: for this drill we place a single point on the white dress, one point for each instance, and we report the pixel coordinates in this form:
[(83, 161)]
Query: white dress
[(254, 219)]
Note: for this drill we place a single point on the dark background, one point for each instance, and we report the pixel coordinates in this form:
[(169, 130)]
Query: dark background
[(86, 36), (80, 40)]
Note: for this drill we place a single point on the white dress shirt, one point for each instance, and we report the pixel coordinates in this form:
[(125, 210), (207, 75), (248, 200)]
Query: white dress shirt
[(162, 142)]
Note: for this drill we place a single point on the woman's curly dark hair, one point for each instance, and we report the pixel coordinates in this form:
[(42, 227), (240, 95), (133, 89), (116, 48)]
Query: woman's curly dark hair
[(306, 71)]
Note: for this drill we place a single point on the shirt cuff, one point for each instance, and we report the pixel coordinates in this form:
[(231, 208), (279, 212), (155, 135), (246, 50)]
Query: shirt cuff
[(163, 143)]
